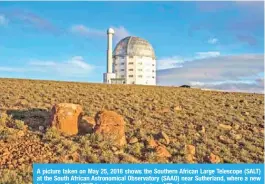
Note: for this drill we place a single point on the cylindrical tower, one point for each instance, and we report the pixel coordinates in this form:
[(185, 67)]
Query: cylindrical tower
[(109, 75), (110, 33)]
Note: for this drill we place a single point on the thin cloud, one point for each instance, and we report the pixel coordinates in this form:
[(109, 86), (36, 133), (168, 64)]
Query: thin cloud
[(260, 82), (169, 62), (251, 23), (202, 55), (31, 19), (42, 64), (177, 61), (213, 40), (211, 6), (120, 33), (86, 32), (82, 30), (74, 67), (234, 86), (212, 70), (3, 20), (247, 38), (10, 69)]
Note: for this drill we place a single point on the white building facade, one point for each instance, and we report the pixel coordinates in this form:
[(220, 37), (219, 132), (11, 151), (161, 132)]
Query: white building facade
[(134, 61)]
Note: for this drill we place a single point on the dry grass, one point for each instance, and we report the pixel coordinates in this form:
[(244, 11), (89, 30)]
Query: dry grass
[(146, 110)]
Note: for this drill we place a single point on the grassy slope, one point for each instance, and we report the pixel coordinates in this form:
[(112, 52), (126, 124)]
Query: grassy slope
[(146, 110)]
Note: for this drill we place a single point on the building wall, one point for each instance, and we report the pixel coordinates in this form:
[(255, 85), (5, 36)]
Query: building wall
[(136, 69), (146, 71), (120, 67)]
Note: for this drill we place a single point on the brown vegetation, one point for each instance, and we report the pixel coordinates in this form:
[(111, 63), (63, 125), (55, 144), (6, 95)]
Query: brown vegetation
[(220, 126)]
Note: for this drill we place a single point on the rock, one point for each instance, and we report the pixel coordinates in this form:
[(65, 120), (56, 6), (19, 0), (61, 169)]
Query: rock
[(245, 113), (89, 120), (151, 143), (236, 126), (234, 135), (189, 158), (237, 136), (41, 128), (66, 117), (86, 125), (165, 136), (190, 149), (223, 139), (165, 110), (133, 140), (111, 126), (177, 108), (113, 148), (161, 151), (214, 158), (225, 127)]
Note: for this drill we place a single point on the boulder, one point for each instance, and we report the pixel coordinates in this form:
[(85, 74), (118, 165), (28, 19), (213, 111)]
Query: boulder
[(214, 158), (225, 127), (151, 143), (111, 126), (133, 140), (86, 125), (66, 117), (189, 158)]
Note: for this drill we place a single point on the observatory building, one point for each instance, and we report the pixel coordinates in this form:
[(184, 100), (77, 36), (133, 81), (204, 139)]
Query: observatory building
[(132, 61)]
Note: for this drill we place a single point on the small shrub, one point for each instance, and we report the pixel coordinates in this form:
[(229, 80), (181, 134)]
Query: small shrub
[(7, 134), (3, 119), (69, 145), (93, 158), (51, 134), (136, 149), (108, 157), (19, 124), (13, 177), (95, 138)]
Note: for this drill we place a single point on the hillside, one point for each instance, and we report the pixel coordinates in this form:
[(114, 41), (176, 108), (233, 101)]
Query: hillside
[(228, 125)]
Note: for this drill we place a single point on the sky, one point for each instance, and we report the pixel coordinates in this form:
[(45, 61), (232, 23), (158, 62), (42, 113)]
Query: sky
[(211, 45)]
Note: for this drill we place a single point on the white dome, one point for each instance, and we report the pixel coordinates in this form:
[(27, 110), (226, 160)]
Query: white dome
[(134, 46), (110, 31)]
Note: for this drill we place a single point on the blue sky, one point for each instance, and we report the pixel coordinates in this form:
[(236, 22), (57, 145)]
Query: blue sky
[(67, 40)]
